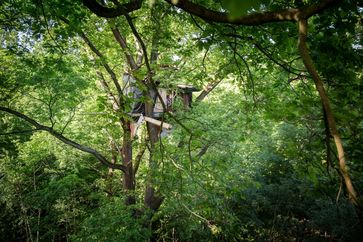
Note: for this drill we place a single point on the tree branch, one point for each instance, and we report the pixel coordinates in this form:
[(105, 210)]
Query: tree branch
[(108, 91), (65, 140), (206, 90), (138, 37), (309, 64), (138, 159), (203, 150), (106, 12), (290, 14), (122, 41)]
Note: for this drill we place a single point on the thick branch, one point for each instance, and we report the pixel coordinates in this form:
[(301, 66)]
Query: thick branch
[(138, 37), (203, 151), (291, 14), (138, 159), (207, 90), (309, 64), (65, 140), (106, 12), (122, 41)]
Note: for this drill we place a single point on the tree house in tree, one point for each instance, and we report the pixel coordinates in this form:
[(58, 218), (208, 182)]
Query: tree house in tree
[(168, 96), (186, 93)]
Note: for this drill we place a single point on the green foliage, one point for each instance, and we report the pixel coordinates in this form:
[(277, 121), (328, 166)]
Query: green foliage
[(113, 221), (48, 193)]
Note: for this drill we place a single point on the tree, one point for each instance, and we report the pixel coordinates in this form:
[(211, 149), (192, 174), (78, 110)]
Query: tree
[(150, 47)]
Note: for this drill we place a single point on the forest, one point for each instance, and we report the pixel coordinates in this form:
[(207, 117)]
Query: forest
[(181, 120)]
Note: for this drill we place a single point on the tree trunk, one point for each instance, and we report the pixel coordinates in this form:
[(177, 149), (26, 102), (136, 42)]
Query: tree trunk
[(128, 176), (151, 199)]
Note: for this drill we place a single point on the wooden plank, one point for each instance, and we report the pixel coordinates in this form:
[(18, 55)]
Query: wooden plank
[(158, 122), (135, 126)]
